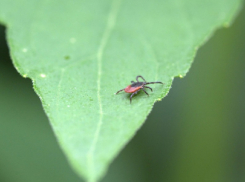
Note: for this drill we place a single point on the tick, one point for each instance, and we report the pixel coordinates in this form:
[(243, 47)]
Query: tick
[(135, 87)]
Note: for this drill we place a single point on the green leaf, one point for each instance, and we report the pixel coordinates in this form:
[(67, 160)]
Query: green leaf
[(79, 53)]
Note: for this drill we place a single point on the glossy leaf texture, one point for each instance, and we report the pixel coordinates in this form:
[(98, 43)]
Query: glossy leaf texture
[(79, 53)]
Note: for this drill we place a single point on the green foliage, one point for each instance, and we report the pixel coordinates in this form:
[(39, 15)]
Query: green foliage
[(78, 54)]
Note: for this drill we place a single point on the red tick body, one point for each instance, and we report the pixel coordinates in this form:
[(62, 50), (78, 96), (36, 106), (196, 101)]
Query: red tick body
[(132, 89), (135, 87)]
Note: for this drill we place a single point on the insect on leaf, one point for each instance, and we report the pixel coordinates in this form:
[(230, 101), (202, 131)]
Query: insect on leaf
[(79, 53)]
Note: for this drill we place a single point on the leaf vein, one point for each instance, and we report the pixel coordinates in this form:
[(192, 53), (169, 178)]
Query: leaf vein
[(105, 37)]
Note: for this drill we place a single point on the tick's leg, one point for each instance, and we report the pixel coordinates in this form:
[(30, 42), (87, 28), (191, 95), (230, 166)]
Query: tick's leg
[(145, 91), (119, 91), (132, 82), (139, 76), (153, 83), (132, 96), (148, 87)]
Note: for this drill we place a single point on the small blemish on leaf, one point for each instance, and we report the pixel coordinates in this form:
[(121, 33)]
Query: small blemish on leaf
[(67, 57)]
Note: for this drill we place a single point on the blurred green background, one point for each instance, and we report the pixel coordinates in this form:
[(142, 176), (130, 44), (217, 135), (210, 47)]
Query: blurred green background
[(195, 134)]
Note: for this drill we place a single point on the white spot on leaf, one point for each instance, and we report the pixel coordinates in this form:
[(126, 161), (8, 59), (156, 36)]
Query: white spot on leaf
[(24, 50), (42, 75), (72, 40)]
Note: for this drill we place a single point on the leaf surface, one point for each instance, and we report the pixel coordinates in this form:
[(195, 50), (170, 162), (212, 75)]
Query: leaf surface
[(79, 53)]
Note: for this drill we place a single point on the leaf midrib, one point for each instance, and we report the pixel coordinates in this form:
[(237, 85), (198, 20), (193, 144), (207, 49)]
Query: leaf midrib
[(111, 21)]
